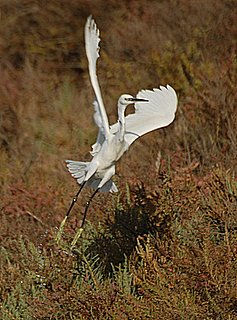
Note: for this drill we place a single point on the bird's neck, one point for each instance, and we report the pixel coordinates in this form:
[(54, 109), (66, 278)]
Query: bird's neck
[(121, 122)]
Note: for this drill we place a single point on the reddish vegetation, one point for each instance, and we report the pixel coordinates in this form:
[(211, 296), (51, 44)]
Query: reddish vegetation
[(165, 247)]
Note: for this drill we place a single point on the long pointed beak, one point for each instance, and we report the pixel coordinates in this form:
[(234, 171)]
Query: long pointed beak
[(139, 100)]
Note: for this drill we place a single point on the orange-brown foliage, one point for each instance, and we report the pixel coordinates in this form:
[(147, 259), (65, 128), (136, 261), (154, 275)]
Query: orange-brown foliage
[(165, 247)]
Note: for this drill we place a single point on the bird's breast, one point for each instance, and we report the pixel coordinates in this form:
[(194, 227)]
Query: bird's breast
[(110, 153)]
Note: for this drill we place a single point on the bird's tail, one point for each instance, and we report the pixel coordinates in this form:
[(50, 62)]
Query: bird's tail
[(78, 169)]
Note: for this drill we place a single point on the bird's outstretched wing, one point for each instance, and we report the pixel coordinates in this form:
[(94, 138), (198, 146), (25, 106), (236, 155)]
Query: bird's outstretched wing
[(92, 40), (157, 113), (100, 137)]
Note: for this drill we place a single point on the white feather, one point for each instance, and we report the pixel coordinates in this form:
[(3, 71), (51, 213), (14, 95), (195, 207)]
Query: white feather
[(100, 137), (157, 113), (92, 40)]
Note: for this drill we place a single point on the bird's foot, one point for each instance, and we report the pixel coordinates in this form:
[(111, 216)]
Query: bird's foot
[(60, 231), (77, 236)]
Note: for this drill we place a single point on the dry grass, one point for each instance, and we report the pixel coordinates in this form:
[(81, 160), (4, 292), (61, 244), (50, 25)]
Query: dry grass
[(165, 247)]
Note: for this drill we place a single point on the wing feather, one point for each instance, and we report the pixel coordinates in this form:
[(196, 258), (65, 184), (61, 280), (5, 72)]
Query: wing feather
[(92, 40), (157, 113), (97, 116), (100, 137)]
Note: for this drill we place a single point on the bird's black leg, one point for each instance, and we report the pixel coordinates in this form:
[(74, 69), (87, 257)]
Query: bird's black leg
[(74, 200), (87, 207), (79, 231)]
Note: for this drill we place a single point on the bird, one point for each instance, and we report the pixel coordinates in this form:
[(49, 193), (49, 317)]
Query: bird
[(153, 109)]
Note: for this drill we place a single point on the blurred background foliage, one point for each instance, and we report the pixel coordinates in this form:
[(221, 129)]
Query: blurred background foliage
[(165, 247)]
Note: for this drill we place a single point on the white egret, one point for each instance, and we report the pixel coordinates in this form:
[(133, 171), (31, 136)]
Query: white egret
[(153, 109)]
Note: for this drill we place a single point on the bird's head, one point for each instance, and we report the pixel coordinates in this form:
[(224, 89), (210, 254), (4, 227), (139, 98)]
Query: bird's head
[(127, 99)]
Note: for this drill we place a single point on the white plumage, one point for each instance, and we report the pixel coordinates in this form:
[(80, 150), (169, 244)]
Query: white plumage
[(153, 109), (157, 113)]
